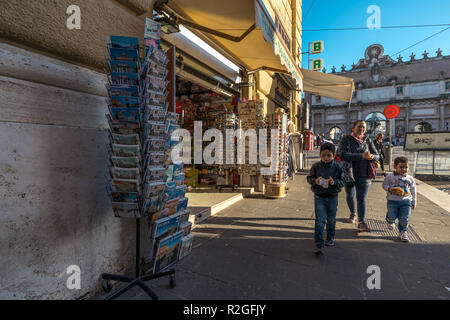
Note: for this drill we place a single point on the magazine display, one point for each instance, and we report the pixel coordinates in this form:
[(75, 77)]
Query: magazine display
[(142, 180)]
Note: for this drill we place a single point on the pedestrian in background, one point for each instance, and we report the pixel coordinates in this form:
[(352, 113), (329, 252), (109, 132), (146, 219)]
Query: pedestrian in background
[(358, 150), (326, 179), (378, 143), (401, 197)]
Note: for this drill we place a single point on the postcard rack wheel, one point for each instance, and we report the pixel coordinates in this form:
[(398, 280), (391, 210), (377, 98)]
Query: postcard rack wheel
[(106, 285), (173, 282)]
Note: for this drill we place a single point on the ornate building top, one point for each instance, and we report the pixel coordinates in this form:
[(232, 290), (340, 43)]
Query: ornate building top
[(377, 69)]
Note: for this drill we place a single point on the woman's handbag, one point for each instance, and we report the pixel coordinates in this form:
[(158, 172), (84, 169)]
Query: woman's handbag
[(371, 166), (371, 170)]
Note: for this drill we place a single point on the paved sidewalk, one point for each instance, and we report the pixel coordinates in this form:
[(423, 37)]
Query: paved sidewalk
[(263, 249)]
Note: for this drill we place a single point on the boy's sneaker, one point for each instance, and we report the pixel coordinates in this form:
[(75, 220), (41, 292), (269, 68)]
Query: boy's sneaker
[(362, 226), (318, 251), (329, 243), (404, 236), (391, 226), (352, 218)]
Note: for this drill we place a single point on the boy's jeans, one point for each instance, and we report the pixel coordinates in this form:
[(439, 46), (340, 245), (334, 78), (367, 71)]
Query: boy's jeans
[(400, 210), (325, 209)]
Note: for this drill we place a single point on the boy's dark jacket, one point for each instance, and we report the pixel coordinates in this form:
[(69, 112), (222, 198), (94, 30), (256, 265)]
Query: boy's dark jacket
[(326, 170)]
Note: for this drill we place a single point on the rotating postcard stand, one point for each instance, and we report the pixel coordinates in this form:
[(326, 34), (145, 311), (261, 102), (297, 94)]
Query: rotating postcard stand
[(133, 137)]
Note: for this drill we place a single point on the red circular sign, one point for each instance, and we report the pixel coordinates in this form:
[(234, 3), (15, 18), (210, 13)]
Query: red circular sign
[(391, 111)]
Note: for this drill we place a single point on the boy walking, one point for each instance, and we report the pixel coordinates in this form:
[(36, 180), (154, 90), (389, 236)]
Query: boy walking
[(401, 196), (326, 178)]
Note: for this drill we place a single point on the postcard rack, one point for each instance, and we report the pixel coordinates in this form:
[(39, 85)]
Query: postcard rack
[(143, 181)]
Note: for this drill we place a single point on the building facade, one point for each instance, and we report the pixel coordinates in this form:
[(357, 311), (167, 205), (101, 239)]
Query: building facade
[(419, 87)]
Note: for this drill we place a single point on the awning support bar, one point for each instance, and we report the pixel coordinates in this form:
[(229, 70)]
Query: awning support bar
[(215, 32), (268, 69)]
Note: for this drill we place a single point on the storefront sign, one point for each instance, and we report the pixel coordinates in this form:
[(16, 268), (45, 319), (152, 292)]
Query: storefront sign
[(317, 47), (316, 64)]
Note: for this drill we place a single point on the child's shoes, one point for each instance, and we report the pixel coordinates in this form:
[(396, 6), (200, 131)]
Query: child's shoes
[(404, 236)]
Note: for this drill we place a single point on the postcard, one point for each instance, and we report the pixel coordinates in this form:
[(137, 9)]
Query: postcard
[(154, 188), (124, 78), (184, 215), (128, 139), (153, 204), (125, 162), (120, 196), (186, 228), (123, 90), (185, 246), (165, 227), (155, 143), (155, 113), (123, 102), (124, 66), (125, 185), (125, 114), (123, 54), (167, 251), (152, 29), (122, 42), (125, 210), (182, 204), (124, 150), (125, 173)]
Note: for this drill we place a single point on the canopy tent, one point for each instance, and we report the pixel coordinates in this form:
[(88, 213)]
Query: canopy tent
[(328, 85)]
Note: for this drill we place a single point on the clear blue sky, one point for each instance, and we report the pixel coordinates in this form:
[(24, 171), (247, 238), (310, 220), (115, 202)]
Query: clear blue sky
[(347, 47)]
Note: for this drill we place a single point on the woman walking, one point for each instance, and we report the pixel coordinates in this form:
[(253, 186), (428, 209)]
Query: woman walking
[(358, 151), (378, 143)]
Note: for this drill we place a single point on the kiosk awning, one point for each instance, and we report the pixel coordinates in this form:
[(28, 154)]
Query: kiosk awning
[(328, 85), (260, 46)]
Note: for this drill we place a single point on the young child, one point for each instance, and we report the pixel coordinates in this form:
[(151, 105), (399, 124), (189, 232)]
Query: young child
[(326, 178), (401, 196)]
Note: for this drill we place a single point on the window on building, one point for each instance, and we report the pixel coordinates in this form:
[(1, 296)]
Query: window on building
[(447, 86), (318, 99), (399, 91)]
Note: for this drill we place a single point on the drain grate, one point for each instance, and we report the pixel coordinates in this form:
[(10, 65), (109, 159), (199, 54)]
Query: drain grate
[(380, 229)]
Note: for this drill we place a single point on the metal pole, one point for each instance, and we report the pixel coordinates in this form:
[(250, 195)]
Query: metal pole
[(390, 144), (138, 246), (434, 155), (415, 162), (309, 50)]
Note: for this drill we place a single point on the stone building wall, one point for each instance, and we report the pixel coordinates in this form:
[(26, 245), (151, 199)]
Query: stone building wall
[(54, 207)]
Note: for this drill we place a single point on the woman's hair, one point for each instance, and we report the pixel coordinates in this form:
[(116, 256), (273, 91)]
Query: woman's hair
[(356, 123), (378, 136)]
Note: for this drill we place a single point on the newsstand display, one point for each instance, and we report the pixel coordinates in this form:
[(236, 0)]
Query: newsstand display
[(144, 182)]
